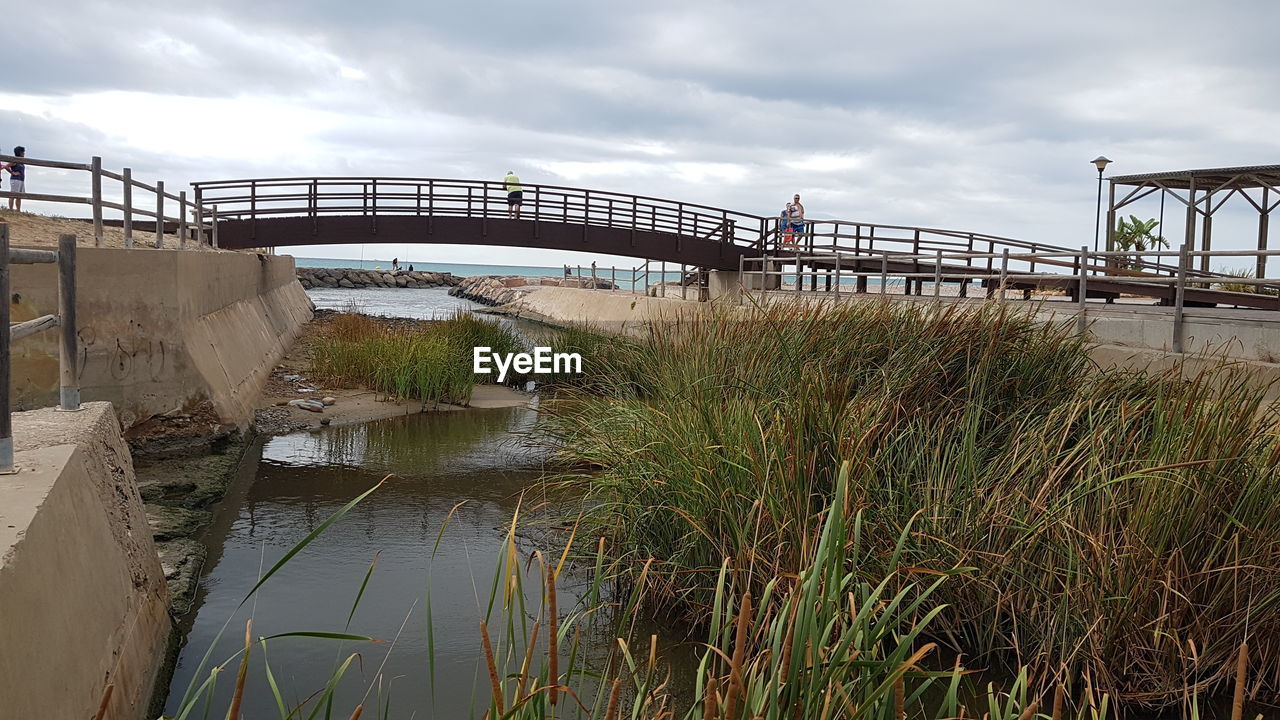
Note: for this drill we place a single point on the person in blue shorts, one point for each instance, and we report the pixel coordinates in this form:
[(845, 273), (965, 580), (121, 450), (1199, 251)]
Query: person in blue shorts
[(795, 211)]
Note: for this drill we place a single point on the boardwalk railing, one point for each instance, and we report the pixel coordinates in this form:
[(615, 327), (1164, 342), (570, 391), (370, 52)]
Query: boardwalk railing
[(69, 384), (138, 200), (443, 197), (640, 278), (980, 250), (1175, 284)]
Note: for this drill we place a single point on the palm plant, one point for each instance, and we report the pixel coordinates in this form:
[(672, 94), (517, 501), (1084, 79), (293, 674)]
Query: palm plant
[(1136, 236)]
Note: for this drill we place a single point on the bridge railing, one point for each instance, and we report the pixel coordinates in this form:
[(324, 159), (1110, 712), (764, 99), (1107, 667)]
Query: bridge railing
[(871, 239), (639, 279), (444, 197), (168, 212)]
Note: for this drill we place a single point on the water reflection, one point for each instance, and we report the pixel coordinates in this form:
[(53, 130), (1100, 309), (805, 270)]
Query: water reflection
[(465, 467), (429, 444)]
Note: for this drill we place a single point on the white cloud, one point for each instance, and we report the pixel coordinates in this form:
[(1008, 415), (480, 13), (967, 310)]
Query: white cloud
[(974, 116)]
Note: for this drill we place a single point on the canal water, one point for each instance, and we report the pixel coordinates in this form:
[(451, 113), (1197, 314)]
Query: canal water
[(456, 480), (421, 303)]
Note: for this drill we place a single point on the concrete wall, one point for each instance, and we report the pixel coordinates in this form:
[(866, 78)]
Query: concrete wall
[(162, 330), (601, 309), (83, 601)]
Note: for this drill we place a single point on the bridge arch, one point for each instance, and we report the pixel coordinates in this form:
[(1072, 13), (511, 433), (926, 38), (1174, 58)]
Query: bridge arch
[(282, 212)]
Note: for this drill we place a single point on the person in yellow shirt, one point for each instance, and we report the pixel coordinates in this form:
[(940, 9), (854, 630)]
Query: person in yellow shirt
[(515, 194)]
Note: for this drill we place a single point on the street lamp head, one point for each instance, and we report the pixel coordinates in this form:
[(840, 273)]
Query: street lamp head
[(1101, 162)]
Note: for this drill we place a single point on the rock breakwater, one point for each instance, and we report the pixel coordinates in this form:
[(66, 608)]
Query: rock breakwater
[(502, 289), (354, 278)]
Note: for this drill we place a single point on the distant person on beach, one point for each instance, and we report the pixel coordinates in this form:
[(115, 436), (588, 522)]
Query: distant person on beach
[(515, 194), (395, 263), (17, 179), (410, 268)]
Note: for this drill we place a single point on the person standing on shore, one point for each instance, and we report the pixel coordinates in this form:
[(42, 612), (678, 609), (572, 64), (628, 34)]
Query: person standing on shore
[(515, 194), (17, 179)]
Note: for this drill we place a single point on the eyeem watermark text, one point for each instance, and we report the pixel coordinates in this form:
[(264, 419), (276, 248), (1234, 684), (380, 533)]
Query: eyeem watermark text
[(542, 361)]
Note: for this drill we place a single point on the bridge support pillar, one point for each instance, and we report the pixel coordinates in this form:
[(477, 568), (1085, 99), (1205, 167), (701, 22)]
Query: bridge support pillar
[(724, 285), (728, 283)]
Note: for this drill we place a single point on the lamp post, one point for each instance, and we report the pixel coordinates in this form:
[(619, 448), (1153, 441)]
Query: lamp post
[(1101, 163)]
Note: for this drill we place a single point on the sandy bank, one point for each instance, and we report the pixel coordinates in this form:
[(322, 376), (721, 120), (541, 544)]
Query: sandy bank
[(42, 231)]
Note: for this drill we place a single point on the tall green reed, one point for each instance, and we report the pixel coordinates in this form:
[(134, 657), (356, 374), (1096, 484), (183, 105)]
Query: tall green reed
[(432, 363), (1123, 525)]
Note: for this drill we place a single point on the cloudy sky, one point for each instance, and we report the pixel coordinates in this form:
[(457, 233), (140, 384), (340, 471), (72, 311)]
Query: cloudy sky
[(979, 115)]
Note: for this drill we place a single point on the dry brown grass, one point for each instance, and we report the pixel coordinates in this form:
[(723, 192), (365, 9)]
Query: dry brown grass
[(42, 231)]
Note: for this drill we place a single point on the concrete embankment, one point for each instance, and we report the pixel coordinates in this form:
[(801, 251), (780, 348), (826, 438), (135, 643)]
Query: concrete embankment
[(354, 278), (83, 602), (612, 312), (503, 289), (165, 335)]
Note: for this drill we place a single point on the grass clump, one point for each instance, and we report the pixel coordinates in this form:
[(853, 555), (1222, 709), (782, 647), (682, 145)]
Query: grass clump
[(431, 362), (1125, 526), (1243, 287)]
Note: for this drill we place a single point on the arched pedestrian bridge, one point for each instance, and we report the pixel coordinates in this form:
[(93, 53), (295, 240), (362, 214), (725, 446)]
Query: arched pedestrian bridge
[(282, 212)]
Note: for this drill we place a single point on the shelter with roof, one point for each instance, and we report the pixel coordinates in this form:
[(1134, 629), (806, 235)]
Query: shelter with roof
[(1202, 192)]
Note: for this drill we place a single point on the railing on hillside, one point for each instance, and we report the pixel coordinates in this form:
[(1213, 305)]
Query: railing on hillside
[(69, 384), (187, 218), (1123, 270), (443, 197), (641, 278)]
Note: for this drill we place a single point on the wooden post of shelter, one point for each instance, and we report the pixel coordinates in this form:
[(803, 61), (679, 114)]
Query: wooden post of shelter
[(1179, 297), (1264, 220), (1206, 231), (1189, 238)]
